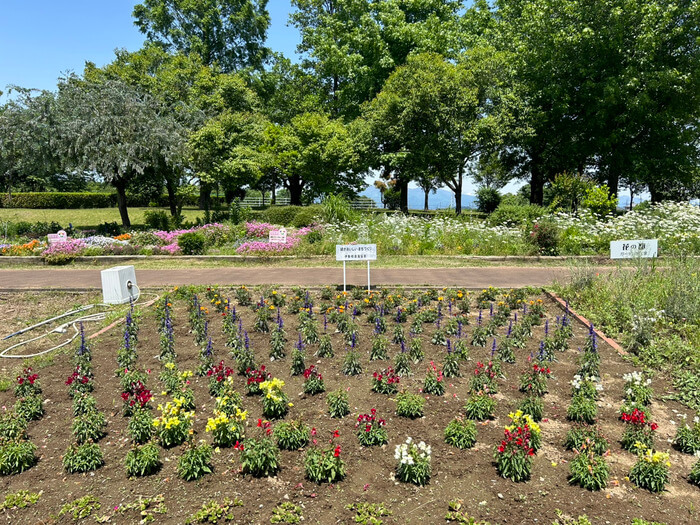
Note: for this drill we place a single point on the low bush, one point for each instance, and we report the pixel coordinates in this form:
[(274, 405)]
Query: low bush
[(44, 200), (282, 215), (192, 243), (515, 215)]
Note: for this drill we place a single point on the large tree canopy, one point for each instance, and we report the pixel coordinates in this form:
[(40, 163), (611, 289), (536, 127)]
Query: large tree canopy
[(230, 33), (115, 131), (611, 86), (352, 46)]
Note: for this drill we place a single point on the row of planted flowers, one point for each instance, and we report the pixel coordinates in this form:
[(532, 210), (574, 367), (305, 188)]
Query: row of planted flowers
[(449, 313)]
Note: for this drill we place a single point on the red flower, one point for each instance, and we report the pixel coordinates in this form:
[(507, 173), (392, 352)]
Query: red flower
[(654, 426), (259, 422), (336, 452), (336, 433)]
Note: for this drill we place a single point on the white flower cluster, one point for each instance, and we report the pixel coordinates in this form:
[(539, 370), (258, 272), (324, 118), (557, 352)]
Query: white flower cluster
[(408, 453), (636, 379), (579, 380)]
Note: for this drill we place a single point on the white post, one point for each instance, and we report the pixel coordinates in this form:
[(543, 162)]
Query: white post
[(368, 285), (344, 288)]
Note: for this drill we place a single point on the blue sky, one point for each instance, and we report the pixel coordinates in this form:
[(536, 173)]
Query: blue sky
[(41, 40)]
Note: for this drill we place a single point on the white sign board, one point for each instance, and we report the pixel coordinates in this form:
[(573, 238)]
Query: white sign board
[(645, 248), (278, 236), (355, 252), (55, 238)]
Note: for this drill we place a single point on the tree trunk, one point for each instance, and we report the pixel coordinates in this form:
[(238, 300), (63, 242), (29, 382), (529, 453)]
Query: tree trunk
[(120, 185), (204, 196), (403, 186), (273, 197), (458, 191), (172, 197), (295, 186), (536, 186), (613, 182), (425, 203)]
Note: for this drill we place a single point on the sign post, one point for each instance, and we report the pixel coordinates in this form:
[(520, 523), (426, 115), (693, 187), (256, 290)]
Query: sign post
[(644, 249), (278, 236), (355, 252)]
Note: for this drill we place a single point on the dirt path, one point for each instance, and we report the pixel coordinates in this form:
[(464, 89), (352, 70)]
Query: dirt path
[(501, 276)]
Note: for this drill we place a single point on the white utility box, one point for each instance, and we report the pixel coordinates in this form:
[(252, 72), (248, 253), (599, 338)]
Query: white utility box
[(119, 285)]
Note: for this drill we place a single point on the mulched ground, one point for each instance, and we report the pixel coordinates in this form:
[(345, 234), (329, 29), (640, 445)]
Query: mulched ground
[(468, 475)]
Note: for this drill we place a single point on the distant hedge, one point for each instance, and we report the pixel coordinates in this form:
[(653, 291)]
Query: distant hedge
[(59, 200)]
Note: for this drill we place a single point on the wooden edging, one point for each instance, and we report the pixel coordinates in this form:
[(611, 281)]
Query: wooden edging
[(554, 297), (118, 321)]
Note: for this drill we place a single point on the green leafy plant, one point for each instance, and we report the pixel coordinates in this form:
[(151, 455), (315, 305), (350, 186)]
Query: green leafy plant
[(582, 410), (651, 471), (369, 513), (292, 435), (274, 401), (385, 382), (370, 429), (215, 512), (325, 346), (260, 457), (338, 405), (638, 388), (688, 438), (89, 427), (82, 458), (638, 430), (140, 427), (461, 433), (27, 384), (227, 427), (286, 512), (589, 437), (480, 406), (456, 514), (12, 427), (694, 476), (378, 351), (174, 423), (195, 462), (414, 462), (192, 243), (409, 405), (534, 381), (589, 470), (17, 456), (514, 455), (313, 381), (534, 406), (402, 364), (325, 465), (434, 383), (351, 363), (81, 508), (142, 460), (29, 408), (20, 499)]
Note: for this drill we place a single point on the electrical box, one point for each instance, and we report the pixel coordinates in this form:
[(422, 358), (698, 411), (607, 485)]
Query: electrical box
[(119, 285)]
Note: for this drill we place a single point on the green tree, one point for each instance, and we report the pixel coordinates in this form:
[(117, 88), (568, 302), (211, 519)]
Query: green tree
[(314, 156), (230, 33), (27, 134), (611, 86), (115, 131), (353, 46)]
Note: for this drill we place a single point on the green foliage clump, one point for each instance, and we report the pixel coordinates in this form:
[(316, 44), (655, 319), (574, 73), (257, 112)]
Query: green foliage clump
[(192, 243), (17, 456), (589, 470), (20, 499), (409, 405), (487, 199), (338, 405), (214, 512), (81, 508), (143, 460), (292, 435), (195, 462), (83, 458), (461, 433)]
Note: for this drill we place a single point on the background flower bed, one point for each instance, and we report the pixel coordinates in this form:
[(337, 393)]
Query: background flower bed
[(676, 225), (468, 475)]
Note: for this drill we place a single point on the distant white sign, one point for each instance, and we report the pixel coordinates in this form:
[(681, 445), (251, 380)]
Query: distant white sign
[(278, 236), (355, 252), (56, 238), (645, 248)]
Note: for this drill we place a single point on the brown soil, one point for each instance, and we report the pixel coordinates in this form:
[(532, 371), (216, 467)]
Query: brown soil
[(467, 475)]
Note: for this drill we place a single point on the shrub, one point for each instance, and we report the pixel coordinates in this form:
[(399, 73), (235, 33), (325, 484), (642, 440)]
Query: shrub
[(16, 456), (281, 215), (512, 215), (39, 200), (337, 210), (599, 200), (544, 236), (461, 433), (582, 410), (157, 219), (192, 243), (306, 216), (487, 199), (143, 460)]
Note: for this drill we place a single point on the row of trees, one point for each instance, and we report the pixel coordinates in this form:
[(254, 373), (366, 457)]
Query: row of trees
[(423, 91)]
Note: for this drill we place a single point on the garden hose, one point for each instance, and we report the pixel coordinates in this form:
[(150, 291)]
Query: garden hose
[(101, 316)]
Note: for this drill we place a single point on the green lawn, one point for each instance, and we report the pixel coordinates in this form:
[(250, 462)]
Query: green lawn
[(85, 218)]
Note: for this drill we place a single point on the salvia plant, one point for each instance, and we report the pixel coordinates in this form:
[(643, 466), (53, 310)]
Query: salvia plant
[(261, 457), (325, 465), (434, 383), (378, 351), (325, 346), (514, 456), (298, 358), (292, 435), (313, 381)]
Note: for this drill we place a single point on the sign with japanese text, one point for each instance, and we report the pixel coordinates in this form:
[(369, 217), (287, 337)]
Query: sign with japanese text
[(278, 236), (355, 252), (645, 248)]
